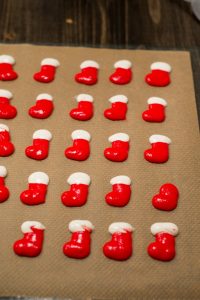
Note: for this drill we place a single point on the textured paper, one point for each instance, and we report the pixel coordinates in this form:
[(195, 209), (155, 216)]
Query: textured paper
[(141, 277)]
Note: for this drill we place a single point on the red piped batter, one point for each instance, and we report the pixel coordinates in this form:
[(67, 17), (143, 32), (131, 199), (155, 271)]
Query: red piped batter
[(167, 199), (31, 244), (7, 111), (4, 192), (76, 196), (43, 107), (6, 147), (35, 194), (163, 248)]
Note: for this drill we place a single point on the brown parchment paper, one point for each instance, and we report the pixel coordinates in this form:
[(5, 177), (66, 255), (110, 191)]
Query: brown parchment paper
[(53, 274)]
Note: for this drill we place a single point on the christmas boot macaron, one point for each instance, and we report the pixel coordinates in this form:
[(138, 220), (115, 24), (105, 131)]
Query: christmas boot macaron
[(40, 148), (84, 111), (118, 152), (43, 107), (121, 191), (159, 153), (160, 74), (118, 109), (89, 72), (37, 189), (6, 146), (47, 71), (32, 242), (123, 72), (156, 110), (80, 150), (4, 192), (7, 111), (79, 245), (120, 246), (6, 68), (164, 246), (79, 187)]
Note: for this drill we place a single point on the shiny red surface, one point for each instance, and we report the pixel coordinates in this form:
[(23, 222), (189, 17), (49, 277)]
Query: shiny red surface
[(42, 109), (6, 147), (118, 152), (46, 74), (4, 192), (79, 245), (7, 111), (119, 247), (158, 78), (39, 150), (83, 112), (76, 196), (167, 199), (155, 113), (116, 112), (159, 153), (79, 151), (119, 196), (31, 244), (88, 76), (163, 248), (121, 76), (35, 194), (6, 72)]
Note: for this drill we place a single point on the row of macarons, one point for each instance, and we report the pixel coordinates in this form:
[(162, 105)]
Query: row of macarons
[(159, 75), (44, 107), (77, 194), (119, 248), (80, 149)]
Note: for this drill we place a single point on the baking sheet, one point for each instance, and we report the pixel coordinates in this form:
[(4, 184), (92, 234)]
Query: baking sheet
[(53, 274)]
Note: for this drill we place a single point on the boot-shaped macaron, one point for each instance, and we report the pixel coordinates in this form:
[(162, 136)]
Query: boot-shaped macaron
[(156, 110), (120, 246), (119, 108), (6, 68), (79, 187), (164, 246), (7, 111), (121, 191), (160, 74), (40, 148), (79, 245), (37, 189), (159, 153), (123, 72), (167, 199), (84, 111), (43, 107), (48, 70), (6, 147), (31, 244), (89, 72), (4, 192), (81, 147), (120, 147)]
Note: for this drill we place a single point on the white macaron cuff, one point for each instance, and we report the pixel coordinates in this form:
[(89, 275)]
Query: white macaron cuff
[(157, 100), (120, 227), (6, 94), (50, 62), (119, 137), (161, 66), (3, 171), (118, 98), (84, 97), (38, 177), (122, 179), (7, 59), (124, 64), (44, 97), (89, 64), (79, 178), (170, 228), (80, 135), (80, 225), (3, 127), (26, 226), (42, 134), (158, 138)]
